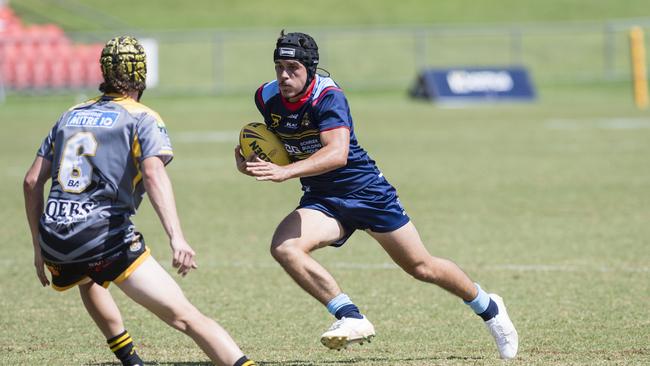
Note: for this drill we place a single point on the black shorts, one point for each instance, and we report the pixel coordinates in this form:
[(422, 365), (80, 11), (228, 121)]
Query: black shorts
[(114, 268)]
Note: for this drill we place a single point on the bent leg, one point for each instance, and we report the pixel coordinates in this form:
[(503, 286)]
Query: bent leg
[(152, 287), (301, 232), (405, 248), (102, 309)]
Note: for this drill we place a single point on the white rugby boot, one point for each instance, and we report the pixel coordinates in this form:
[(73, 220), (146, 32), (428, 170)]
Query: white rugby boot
[(347, 331), (503, 331)]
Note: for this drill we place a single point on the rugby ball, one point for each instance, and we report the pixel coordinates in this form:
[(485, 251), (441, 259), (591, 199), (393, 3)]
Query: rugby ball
[(256, 138)]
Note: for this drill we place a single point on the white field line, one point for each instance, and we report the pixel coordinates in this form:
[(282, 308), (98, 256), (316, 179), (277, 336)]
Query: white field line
[(494, 268), (598, 123), (205, 136), (393, 266)]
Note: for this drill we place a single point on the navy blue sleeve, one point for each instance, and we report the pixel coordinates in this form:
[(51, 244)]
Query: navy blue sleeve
[(332, 111), (259, 101)]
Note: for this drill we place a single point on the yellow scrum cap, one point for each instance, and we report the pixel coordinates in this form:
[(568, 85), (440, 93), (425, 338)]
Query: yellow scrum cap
[(124, 64)]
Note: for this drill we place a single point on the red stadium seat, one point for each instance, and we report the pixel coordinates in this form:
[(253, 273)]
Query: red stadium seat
[(58, 73), (40, 74), (42, 56), (76, 67), (93, 70), (22, 75), (8, 57), (7, 72)]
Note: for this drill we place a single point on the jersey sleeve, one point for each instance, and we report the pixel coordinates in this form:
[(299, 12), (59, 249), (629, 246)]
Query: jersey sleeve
[(152, 139), (46, 150), (331, 111), (260, 104), (259, 101)]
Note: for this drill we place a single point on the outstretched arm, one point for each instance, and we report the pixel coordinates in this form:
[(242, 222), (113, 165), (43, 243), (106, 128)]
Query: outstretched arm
[(159, 188), (33, 184), (333, 155)]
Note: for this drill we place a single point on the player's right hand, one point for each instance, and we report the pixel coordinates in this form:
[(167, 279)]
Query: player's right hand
[(40, 268), (240, 161), (183, 256)]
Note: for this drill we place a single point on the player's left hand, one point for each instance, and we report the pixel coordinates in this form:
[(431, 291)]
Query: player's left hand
[(40, 268), (264, 170), (183, 256)]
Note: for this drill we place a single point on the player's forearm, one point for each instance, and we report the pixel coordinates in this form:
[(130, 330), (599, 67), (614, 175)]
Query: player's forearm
[(322, 161), (161, 195), (33, 207)]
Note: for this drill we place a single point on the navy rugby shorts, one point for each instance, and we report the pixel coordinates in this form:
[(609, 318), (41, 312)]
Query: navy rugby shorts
[(375, 207), (116, 267)]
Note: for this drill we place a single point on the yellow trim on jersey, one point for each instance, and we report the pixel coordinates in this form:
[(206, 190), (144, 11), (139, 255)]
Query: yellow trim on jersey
[(136, 152), (115, 342), (134, 107), (61, 289), (89, 101), (133, 266), (248, 363), (299, 135)]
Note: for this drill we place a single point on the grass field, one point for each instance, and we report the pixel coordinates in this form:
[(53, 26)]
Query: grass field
[(78, 15), (547, 204)]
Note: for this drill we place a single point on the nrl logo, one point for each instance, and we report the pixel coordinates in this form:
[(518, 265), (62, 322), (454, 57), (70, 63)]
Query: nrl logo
[(276, 120)]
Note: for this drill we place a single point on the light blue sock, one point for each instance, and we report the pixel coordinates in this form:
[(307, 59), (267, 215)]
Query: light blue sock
[(338, 302), (481, 302)]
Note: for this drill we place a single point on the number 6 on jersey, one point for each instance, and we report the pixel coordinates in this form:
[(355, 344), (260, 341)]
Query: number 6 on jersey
[(75, 170)]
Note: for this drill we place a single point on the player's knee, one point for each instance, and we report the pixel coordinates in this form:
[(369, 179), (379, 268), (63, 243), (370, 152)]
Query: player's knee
[(424, 271), (186, 320), (284, 251)]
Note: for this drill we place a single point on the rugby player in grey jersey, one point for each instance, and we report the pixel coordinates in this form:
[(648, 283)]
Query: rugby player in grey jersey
[(102, 156)]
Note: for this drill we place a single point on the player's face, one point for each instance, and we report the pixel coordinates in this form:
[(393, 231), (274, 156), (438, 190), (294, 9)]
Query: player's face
[(292, 76)]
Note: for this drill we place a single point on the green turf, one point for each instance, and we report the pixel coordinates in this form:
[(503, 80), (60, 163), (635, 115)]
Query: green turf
[(544, 203), (171, 14)]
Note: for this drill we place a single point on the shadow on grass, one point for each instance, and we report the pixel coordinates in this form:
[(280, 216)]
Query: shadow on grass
[(350, 361)]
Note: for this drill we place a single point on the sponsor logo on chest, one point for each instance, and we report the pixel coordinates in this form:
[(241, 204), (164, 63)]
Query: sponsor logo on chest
[(67, 212)]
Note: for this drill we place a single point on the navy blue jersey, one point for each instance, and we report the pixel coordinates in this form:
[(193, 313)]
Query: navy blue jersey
[(299, 125)]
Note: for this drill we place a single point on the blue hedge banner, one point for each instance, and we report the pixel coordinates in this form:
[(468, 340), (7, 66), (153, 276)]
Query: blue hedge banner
[(474, 84)]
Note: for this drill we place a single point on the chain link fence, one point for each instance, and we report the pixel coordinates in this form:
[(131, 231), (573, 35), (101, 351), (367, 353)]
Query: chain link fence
[(362, 59)]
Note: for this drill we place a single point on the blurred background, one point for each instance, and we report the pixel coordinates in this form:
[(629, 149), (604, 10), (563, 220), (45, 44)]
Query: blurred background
[(545, 202), (221, 47)]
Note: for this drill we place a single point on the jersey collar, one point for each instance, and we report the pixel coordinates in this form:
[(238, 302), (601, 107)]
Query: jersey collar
[(294, 106), (115, 96)]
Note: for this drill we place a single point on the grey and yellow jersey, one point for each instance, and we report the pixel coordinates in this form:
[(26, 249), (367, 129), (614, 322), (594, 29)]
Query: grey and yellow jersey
[(96, 149)]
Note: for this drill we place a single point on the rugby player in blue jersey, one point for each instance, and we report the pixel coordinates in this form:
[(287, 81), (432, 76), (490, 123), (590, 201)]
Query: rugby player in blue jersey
[(102, 156), (344, 191)]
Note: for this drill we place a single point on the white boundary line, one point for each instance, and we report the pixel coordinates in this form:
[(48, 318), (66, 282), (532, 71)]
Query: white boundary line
[(599, 123), (205, 136), (393, 266), (495, 268)]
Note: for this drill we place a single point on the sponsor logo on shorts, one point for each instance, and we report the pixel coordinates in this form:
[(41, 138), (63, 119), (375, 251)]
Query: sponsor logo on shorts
[(53, 269), (102, 264), (105, 119), (135, 246)]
